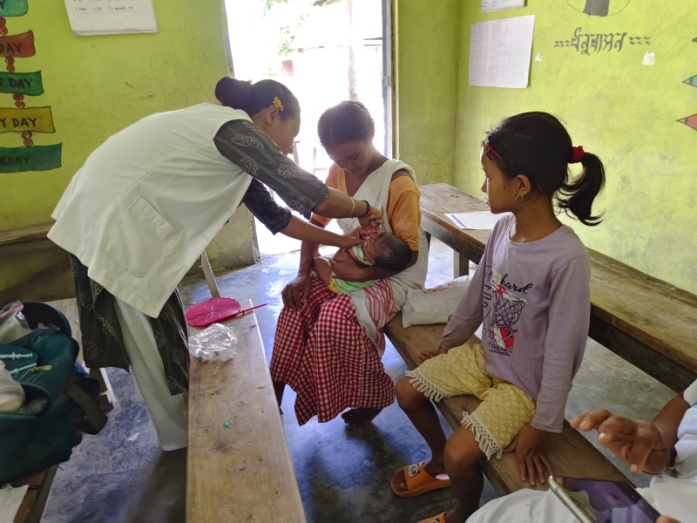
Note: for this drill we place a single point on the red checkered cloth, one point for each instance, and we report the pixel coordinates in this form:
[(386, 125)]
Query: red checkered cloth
[(325, 356)]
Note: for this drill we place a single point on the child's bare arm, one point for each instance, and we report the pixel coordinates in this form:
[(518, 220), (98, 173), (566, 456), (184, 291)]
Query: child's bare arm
[(323, 269)]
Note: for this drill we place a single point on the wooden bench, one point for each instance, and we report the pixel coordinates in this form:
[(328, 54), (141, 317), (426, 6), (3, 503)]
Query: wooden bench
[(34, 502), (571, 454), (646, 321), (242, 471)]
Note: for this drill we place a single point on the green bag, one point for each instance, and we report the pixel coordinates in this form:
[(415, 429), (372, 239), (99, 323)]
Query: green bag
[(44, 363)]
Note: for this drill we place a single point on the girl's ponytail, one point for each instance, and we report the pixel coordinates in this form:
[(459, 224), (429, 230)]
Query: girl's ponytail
[(577, 195)]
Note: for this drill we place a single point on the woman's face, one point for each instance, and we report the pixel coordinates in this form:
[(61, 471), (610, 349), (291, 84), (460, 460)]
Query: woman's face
[(354, 157), (283, 132)]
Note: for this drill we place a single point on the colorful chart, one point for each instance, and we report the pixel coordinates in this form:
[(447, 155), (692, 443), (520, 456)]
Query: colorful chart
[(22, 119)]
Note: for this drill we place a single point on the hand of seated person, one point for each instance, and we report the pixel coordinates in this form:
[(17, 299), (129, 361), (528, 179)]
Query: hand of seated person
[(637, 442), (428, 354), (297, 291), (528, 445), (346, 268)]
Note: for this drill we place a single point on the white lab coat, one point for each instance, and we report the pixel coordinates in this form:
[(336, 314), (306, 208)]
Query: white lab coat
[(147, 202)]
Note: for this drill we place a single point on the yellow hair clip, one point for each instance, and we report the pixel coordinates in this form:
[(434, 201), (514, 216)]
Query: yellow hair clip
[(277, 102)]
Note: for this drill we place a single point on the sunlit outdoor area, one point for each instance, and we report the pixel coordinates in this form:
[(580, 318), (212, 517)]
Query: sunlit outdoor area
[(325, 52)]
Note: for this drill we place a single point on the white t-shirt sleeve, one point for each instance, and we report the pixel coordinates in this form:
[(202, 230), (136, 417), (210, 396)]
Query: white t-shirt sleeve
[(690, 394)]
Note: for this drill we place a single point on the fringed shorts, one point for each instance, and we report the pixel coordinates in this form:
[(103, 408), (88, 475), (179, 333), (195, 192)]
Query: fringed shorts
[(504, 410)]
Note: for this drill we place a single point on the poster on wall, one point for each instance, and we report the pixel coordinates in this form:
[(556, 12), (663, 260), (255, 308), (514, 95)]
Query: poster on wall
[(20, 119), (500, 5), (500, 52), (103, 17)]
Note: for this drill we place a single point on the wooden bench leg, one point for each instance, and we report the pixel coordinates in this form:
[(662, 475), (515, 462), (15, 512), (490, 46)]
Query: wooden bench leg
[(210, 277), (106, 399), (461, 265)]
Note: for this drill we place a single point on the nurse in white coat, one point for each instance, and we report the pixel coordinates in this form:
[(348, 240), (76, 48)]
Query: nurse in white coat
[(148, 201)]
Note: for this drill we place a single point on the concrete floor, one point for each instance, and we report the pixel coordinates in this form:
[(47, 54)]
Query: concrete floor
[(121, 475)]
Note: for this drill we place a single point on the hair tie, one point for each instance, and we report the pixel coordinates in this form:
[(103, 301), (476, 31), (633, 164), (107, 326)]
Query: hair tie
[(493, 151), (577, 154), (277, 102)]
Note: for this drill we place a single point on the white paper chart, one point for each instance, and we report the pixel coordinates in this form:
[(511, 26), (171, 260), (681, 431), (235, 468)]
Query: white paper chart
[(474, 220), (498, 5), (95, 17), (500, 52)]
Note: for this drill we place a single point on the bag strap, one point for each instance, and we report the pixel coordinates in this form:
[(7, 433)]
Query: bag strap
[(95, 419)]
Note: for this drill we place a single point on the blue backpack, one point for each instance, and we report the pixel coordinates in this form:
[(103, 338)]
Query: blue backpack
[(44, 363)]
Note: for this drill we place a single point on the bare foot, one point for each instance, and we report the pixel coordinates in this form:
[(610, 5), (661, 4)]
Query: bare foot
[(359, 417)]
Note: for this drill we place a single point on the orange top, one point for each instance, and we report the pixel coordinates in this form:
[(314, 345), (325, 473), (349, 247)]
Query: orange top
[(403, 210)]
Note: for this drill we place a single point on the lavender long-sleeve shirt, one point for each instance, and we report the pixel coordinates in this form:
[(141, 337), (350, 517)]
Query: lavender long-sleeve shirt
[(533, 299)]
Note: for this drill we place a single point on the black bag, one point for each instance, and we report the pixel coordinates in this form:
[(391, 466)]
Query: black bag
[(30, 442)]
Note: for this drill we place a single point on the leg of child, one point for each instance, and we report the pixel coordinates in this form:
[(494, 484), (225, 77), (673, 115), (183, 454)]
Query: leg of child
[(462, 455), (422, 414)]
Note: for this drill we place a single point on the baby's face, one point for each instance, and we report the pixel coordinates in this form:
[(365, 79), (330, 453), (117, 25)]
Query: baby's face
[(374, 246)]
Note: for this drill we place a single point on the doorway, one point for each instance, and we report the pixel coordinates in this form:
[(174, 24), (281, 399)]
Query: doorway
[(325, 51)]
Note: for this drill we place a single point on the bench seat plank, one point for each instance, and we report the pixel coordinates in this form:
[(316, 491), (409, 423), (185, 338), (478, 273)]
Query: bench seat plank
[(645, 320), (25, 240), (243, 472), (570, 453)]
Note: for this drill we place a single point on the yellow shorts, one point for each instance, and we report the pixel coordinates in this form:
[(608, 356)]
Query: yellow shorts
[(504, 410)]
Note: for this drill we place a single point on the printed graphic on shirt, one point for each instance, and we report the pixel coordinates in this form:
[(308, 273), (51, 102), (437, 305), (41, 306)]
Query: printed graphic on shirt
[(505, 302)]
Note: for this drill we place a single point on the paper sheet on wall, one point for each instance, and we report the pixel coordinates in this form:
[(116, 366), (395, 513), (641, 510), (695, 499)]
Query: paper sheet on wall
[(500, 52), (498, 5), (474, 220), (102, 17)]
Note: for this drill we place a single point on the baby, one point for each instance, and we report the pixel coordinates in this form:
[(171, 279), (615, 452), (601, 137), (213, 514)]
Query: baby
[(380, 249)]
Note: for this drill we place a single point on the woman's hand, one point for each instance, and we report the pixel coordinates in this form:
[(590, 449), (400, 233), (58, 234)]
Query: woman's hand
[(637, 442), (297, 291), (532, 461), (345, 268), (348, 240), (373, 220), (428, 354)]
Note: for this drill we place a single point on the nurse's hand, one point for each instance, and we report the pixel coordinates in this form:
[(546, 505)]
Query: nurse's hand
[(295, 294), (373, 220), (347, 241)]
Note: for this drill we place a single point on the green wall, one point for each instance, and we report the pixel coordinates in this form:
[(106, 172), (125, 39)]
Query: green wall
[(427, 35), (96, 85), (614, 106)]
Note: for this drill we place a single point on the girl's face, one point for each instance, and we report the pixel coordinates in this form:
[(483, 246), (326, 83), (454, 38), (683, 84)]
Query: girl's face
[(354, 157), (500, 192), (283, 132)]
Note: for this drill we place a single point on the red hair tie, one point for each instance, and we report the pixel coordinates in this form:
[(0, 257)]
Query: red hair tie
[(577, 154), (493, 151)]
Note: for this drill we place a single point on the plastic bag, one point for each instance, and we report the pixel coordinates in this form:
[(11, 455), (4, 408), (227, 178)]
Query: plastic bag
[(428, 306), (13, 324), (11, 392), (215, 342)]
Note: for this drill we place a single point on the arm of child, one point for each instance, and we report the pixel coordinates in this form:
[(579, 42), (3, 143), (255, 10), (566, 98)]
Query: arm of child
[(468, 313), (323, 269)]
